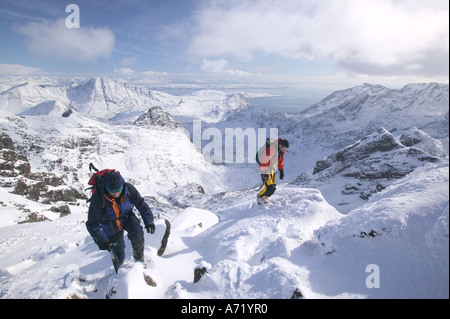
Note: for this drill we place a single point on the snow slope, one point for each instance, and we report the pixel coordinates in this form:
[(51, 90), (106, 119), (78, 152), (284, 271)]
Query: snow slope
[(299, 242), (404, 230), (249, 243)]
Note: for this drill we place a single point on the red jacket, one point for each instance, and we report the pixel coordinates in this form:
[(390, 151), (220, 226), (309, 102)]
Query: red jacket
[(271, 158)]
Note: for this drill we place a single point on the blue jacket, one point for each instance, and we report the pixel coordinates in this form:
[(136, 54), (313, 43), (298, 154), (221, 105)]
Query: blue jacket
[(105, 222)]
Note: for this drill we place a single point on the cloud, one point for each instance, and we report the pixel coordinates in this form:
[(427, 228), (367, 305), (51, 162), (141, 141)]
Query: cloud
[(220, 67), (124, 71), (141, 74), (214, 66), (17, 69), (54, 40), (370, 36), (153, 73)]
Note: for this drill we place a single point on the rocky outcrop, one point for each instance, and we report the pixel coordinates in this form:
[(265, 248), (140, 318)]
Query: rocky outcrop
[(369, 165), (198, 273), (157, 118), (15, 173), (376, 156), (12, 163)]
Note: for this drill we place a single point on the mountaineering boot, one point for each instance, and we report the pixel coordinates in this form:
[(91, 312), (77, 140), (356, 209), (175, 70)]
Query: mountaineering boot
[(138, 251), (262, 200)]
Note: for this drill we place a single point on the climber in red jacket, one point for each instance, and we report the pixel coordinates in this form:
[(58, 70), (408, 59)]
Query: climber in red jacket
[(269, 159)]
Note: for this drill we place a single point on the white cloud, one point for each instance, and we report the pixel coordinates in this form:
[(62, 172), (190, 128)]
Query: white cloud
[(214, 66), (152, 73), (128, 74), (220, 67), (17, 69), (124, 71), (55, 40), (241, 73), (370, 36)]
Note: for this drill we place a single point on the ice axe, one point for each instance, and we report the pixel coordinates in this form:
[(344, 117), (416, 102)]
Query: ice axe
[(113, 257)]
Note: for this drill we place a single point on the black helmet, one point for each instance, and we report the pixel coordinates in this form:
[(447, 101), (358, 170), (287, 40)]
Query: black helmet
[(284, 143)]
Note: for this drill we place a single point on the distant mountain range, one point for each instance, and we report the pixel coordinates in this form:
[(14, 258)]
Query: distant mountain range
[(107, 98)]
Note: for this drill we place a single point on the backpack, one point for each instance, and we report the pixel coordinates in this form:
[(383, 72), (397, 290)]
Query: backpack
[(96, 181), (263, 148)]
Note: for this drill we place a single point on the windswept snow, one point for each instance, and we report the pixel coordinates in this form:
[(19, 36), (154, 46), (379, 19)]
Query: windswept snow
[(298, 242)]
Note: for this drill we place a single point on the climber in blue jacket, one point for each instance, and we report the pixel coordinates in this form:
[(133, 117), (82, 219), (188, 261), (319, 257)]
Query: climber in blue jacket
[(111, 212)]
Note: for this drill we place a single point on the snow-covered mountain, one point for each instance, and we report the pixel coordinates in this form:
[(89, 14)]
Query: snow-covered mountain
[(107, 98), (366, 184), (368, 107), (22, 97), (349, 115)]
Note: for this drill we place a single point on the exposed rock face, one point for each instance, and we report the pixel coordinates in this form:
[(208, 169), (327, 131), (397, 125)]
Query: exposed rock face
[(376, 156), (15, 172), (159, 119), (369, 165), (12, 163)]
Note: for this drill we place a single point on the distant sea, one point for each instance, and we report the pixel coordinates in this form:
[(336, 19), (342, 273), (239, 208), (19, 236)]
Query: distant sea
[(286, 99), (282, 99)]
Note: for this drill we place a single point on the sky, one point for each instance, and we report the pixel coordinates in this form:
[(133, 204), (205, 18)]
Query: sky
[(311, 43)]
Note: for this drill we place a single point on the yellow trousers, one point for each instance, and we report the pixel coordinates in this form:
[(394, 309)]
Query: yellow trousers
[(270, 184)]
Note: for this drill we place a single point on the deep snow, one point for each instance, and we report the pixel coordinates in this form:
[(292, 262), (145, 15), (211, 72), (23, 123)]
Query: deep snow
[(297, 242)]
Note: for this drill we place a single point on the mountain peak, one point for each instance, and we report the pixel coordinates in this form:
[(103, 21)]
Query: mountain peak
[(156, 118)]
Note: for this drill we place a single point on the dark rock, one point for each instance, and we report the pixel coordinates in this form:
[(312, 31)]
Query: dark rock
[(63, 195), (34, 190), (67, 113), (372, 233), (297, 294), (198, 273), (6, 142), (63, 210), (34, 218), (21, 188), (12, 163)]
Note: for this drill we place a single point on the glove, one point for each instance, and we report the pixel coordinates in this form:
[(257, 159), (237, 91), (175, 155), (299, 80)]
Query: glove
[(150, 228), (105, 246), (281, 173)]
